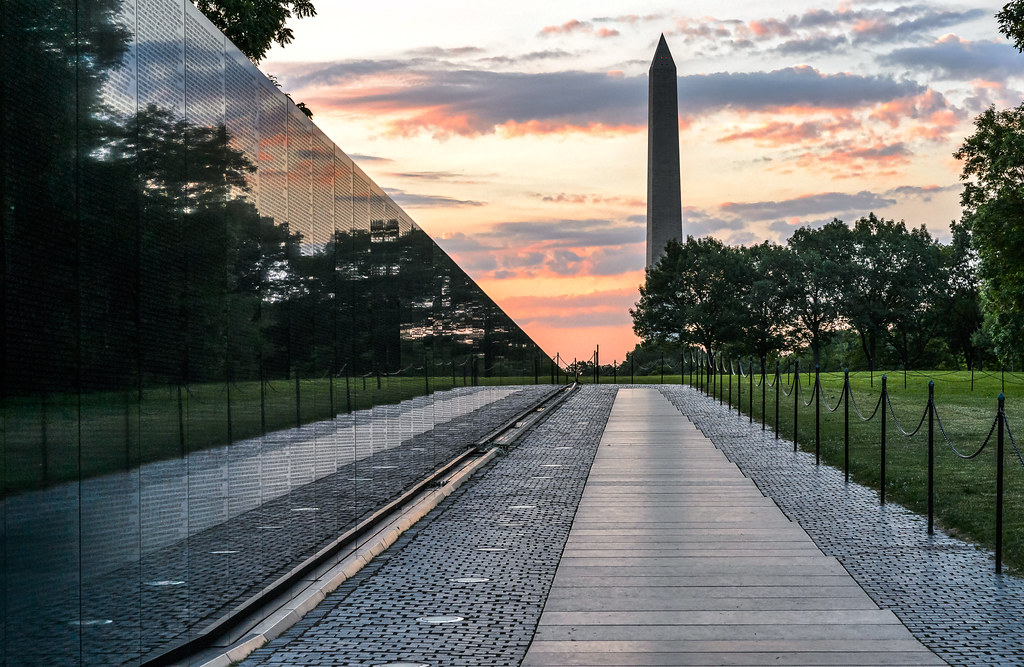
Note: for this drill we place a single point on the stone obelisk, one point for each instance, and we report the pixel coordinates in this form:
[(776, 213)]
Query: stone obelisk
[(664, 208)]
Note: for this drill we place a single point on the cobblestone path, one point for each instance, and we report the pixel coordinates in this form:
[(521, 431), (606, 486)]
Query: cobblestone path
[(486, 556)]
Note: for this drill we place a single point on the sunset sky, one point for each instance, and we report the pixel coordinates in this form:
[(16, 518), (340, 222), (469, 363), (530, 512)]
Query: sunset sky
[(515, 133)]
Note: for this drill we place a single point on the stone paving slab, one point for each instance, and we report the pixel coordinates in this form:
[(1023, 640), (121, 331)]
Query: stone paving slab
[(942, 588), (656, 475)]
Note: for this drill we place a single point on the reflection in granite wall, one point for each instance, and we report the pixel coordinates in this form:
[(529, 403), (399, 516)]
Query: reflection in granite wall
[(221, 342)]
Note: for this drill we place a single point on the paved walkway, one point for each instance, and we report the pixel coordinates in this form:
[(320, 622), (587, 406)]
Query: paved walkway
[(489, 554), (942, 588), (676, 558)]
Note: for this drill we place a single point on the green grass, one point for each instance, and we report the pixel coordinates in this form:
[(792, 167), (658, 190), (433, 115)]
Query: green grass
[(964, 490), (63, 437)]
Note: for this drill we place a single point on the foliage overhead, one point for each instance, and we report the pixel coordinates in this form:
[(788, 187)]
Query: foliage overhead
[(254, 25), (1011, 23), (993, 201)]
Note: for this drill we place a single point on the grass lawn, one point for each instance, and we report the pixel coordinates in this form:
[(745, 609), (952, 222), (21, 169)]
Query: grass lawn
[(63, 437)]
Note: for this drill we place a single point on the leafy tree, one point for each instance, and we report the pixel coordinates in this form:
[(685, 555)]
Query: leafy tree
[(820, 275), (959, 310), (914, 325), (1011, 23), (893, 273), (769, 321), (695, 295), (993, 201), (254, 25)]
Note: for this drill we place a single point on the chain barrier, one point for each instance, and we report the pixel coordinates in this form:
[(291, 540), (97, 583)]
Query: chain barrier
[(1013, 441), (809, 400), (899, 426), (950, 444), (824, 400), (853, 401)]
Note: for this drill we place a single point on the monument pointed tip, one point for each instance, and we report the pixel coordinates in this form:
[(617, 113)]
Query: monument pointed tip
[(662, 55)]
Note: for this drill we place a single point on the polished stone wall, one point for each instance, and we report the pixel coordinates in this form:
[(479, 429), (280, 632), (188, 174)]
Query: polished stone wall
[(210, 316)]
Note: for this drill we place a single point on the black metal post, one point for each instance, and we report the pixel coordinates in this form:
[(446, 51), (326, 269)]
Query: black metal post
[(764, 390), (884, 399), (750, 393), (846, 425), (631, 369), (1000, 417), (817, 414), (778, 378), (796, 400), (931, 457), (597, 364), (730, 384)]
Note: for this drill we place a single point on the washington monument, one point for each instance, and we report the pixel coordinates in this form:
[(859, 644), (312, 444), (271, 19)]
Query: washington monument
[(664, 210)]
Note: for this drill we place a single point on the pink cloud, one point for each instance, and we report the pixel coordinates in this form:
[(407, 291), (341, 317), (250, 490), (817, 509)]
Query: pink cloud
[(567, 28)]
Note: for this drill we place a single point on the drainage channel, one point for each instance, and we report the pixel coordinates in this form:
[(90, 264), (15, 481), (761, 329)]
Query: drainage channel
[(214, 643)]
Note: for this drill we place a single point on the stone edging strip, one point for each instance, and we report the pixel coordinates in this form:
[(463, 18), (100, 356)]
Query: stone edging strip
[(362, 553)]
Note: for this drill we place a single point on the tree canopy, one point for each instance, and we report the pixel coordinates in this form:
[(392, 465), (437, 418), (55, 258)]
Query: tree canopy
[(1011, 22), (891, 288), (993, 201), (255, 25)]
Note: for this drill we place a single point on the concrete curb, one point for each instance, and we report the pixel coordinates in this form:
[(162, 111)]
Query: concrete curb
[(371, 546)]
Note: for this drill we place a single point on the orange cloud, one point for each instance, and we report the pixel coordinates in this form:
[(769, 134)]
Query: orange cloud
[(778, 133), (566, 28), (766, 28), (519, 129)]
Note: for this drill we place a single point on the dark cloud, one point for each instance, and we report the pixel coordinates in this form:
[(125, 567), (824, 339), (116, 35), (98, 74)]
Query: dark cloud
[(953, 58), (533, 56), (471, 102), (897, 25), (806, 45), (410, 200), (925, 193), (566, 233), (615, 261), (490, 99), (821, 30), (341, 72), (428, 175), (793, 86), (441, 52), (697, 222), (359, 157), (828, 202)]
